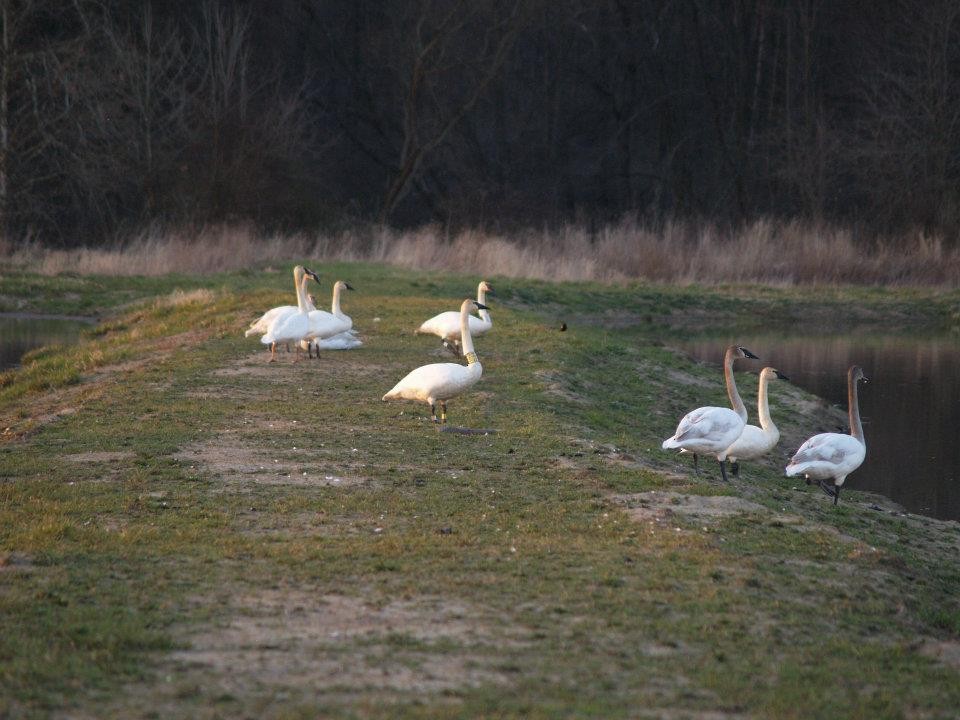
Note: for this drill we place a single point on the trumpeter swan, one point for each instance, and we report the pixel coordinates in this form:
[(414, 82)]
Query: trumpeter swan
[(755, 442), (325, 322), (262, 323), (438, 382), (446, 325), (711, 430), (291, 327), (833, 456)]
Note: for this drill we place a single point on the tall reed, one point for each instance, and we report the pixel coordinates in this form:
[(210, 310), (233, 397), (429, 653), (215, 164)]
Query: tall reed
[(764, 251)]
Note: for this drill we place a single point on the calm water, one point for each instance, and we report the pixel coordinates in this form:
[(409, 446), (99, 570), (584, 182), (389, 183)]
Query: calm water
[(19, 334), (910, 407)]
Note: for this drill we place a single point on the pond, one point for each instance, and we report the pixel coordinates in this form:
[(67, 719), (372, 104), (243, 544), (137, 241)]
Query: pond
[(910, 406), (22, 332)]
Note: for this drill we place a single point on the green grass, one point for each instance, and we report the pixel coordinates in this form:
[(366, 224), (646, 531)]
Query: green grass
[(207, 568)]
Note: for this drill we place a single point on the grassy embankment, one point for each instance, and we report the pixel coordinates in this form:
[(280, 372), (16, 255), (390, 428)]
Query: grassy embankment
[(186, 531)]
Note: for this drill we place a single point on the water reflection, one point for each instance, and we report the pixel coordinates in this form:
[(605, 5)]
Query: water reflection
[(910, 407), (20, 334)]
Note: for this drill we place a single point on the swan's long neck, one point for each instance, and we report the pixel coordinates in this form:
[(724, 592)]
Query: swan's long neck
[(853, 403), (763, 405), (466, 339), (482, 299), (735, 402), (301, 283), (335, 307)]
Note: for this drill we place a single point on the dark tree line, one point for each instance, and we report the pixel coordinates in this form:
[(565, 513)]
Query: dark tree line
[(306, 113)]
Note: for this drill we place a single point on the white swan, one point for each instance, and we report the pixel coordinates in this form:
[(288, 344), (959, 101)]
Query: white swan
[(711, 430), (326, 322), (755, 442), (262, 324), (833, 456), (446, 325), (438, 382), (293, 326)]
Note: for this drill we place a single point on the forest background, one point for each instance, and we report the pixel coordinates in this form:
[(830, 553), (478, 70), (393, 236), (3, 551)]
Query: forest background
[(305, 115)]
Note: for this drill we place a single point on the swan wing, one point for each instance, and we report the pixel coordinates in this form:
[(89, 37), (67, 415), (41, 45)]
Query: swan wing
[(322, 324), (444, 324), (439, 381), (291, 328), (753, 442), (708, 423), (447, 325), (262, 324), (832, 448)]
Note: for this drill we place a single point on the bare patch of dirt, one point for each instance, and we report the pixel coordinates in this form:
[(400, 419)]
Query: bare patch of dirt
[(554, 386), (660, 504), (240, 464), (294, 645), (944, 651), (99, 457)]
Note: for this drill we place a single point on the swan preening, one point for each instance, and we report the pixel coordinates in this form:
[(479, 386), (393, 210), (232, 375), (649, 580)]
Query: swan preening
[(446, 325), (712, 430), (833, 456), (436, 383), (286, 326), (755, 442)]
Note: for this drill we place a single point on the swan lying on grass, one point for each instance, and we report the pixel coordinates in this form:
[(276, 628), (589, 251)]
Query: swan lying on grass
[(436, 383), (755, 442), (833, 456), (446, 325), (711, 430)]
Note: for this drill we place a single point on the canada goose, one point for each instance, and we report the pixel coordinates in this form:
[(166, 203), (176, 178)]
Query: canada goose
[(711, 430), (446, 325), (438, 382), (833, 456)]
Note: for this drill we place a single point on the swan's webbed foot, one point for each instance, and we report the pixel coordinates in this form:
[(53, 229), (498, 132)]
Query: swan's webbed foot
[(735, 468), (723, 470), (836, 494), (696, 465), (433, 413), (443, 412), (273, 352)]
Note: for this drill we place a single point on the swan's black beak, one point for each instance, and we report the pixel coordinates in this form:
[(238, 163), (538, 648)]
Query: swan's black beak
[(312, 274), (349, 286), (780, 375), (490, 291), (480, 306), (747, 353)]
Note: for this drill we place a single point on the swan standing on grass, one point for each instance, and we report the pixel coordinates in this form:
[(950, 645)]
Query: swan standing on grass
[(331, 330), (294, 326), (755, 442), (833, 456), (438, 382), (711, 430), (262, 324), (446, 325)]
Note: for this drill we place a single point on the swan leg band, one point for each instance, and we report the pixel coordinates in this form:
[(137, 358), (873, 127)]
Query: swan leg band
[(472, 358)]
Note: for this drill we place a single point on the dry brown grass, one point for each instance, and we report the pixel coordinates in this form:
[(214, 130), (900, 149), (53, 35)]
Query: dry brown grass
[(764, 251)]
